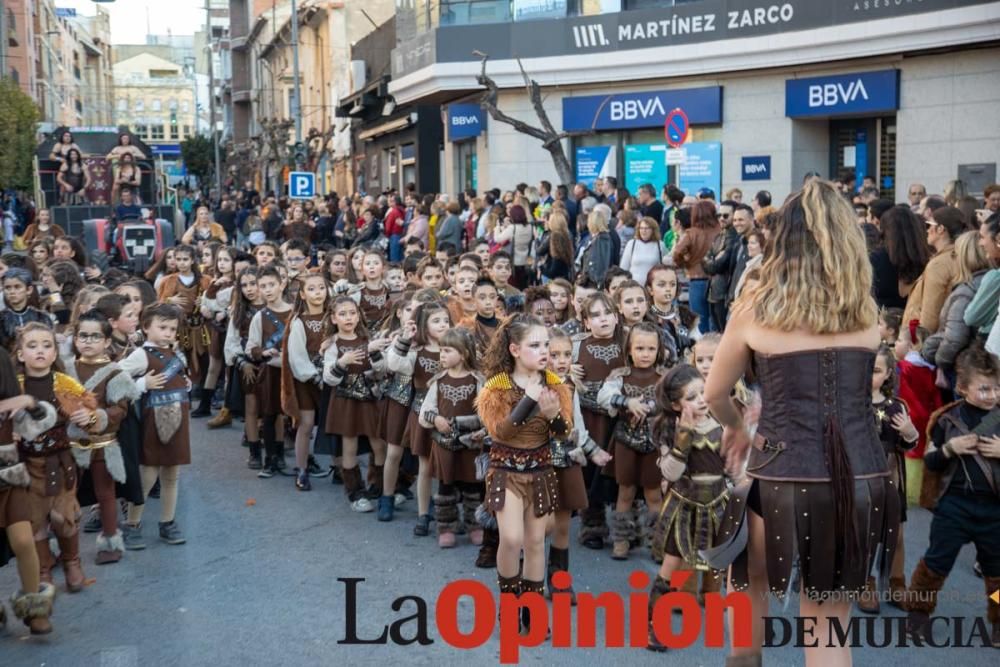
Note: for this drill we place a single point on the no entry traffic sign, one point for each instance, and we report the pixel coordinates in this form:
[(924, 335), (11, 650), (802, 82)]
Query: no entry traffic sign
[(676, 127)]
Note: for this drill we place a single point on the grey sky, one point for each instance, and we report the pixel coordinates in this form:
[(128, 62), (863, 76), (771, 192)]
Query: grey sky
[(128, 17)]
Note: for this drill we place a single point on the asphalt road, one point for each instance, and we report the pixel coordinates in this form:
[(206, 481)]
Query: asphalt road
[(257, 584)]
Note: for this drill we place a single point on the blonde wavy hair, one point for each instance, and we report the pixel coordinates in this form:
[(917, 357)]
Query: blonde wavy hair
[(971, 257), (816, 273)]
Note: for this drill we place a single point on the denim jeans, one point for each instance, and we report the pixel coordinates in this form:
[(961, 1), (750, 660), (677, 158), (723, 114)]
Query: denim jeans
[(698, 301)]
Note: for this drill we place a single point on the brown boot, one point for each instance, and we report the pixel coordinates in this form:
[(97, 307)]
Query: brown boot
[(224, 418), (110, 549), (993, 608), (35, 608), (70, 547), (660, 587), (46, 560), (921, 599), (897, 592), (487, 557), (868, 601)]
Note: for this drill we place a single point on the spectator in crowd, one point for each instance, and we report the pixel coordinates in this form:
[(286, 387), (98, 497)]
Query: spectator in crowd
[(517, 235), (932, 287), (562, 195), (449, 230), (743, 223), (644, 251), (42, 228), (555, 249), (991, 195), (981, 313), (899, 258), (226, 216), (915, 195), (734, 195), (649, 205), (718, 264), (954, 190), (418, 228), (595, 257), (393, 225), (689, 253)]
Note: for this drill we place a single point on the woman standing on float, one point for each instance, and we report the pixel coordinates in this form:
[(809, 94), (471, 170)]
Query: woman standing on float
[(819, 488)]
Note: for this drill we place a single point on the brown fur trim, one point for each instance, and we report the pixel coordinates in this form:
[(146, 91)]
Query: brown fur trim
[(289, 402), (924, 586), (565, 393), (494, 405), (930, 486)]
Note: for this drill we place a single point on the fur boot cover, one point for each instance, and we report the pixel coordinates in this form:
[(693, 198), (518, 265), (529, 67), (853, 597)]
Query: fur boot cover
[(29, 428), (446, 513), (28, 606), (924, 587), (623, 526), (114, 543), (593, 524), (486, 518), (470, 508)]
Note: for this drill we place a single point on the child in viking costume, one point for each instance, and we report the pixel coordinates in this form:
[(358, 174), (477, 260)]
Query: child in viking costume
[(161, 375), (963, 482), (96, 449), (47, 454), (691, 464), (353, 366), (22, 416), (302, 367), (243, 376), (522, 406), (18, 289), (186, 290), (449, 410), (214, 306), (569, 455), (595, 355), (267, 330)]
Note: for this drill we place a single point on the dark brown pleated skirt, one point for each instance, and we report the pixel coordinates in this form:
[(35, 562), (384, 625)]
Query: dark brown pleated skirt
[(307, 395), (800, 526), (538, 490), (572, 490), (598, 426), (393, 421), (688, 523), (453, 466), (350, 418), (419, 438), (268, 390), (635, 469)]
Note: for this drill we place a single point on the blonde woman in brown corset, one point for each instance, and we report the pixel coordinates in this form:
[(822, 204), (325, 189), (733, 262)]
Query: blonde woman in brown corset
[(817, 469), (522, 406)]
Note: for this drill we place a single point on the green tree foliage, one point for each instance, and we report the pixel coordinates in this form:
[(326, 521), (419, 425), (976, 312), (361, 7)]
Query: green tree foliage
[(18, 129), (199, 157)]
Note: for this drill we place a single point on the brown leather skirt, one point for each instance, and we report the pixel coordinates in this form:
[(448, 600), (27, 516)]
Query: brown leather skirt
[(538, 490), (307, 394), (419, 438), (453, 466), (14, 506), (350, 418), (635, 469), (268, 391), (572, 490), (799, 527), (393, 421)]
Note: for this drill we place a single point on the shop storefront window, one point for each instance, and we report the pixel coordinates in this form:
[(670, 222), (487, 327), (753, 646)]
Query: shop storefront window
[(466, 12), (592, 7)]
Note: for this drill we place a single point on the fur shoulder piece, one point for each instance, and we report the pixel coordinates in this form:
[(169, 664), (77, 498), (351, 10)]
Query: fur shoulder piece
[(495, 402), (936, 415), (97, 378), (565, 393), (29, 428), (578, 337), (122, 387)]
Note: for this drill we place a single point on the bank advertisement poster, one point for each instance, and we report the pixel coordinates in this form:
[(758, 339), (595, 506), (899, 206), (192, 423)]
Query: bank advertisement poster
[(702, 167), (645, 163), (593, 162)]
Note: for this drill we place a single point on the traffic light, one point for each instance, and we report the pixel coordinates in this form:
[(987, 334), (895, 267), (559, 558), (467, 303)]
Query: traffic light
[(300, 153)]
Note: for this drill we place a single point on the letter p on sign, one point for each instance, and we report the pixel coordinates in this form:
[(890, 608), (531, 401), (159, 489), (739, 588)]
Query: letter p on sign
[(301, 184)]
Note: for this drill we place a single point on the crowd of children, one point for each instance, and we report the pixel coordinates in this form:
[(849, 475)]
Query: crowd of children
[(508, 411)]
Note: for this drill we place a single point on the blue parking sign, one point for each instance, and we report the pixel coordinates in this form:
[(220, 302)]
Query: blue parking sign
[(301, 184)]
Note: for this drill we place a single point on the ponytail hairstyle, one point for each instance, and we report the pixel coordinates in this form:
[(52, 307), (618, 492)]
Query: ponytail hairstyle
[(460, 339), (300, 307), (888, 387), (423, 314), (670, 390), (67, 275), (241, 306), (331, 329), (498, 358), (645, 327)]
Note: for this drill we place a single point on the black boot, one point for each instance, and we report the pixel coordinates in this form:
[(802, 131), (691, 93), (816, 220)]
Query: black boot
[(558, 562), (254, 461), (529, 586), (204, 408), (270, 467)]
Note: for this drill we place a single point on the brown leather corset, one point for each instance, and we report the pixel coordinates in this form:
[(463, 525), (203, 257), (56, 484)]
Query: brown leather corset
[(808, 398)]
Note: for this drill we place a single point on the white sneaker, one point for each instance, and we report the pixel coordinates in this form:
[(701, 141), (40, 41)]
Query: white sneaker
[(398, 500), (363, 505)]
